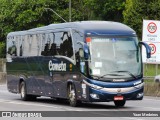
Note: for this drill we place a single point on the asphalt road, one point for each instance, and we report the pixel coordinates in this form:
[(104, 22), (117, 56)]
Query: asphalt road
[(12, 102)]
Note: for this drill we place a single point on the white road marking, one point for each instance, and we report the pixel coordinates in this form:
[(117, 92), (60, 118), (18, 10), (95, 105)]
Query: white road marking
[(39, 105)]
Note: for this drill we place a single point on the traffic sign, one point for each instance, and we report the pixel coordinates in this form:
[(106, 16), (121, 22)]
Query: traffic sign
[(153, 48), (151, 36), (152, 27)]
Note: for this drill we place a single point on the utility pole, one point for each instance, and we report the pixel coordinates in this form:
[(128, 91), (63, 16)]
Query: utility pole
[(55, 13), (70, 10)]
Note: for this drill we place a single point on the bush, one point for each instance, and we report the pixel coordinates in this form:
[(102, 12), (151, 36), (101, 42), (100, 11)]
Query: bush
[(2, 50)]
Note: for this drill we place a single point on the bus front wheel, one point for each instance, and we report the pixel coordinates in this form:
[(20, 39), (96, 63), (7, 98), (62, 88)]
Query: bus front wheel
[(120, 103), (72, 96)]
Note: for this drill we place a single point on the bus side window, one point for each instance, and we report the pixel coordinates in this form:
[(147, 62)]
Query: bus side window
[(44, 45), (63, 42), (77, 37), (49, 44), (21, 48), (78, 57), (12, 49), (53, 50), (38, 39), (58, 43), (66, 46)]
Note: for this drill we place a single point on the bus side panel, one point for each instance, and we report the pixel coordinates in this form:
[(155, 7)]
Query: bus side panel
[(12, 83), (29, 69), (39, 82), (63, 72), (15, 69)]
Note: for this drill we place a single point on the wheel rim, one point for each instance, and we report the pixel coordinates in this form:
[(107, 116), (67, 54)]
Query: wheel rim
[(22, 91), (72, 95)]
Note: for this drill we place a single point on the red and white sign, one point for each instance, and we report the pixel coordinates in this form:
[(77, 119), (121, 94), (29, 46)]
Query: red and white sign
[(152, 27), (151, 36), (153, 48)]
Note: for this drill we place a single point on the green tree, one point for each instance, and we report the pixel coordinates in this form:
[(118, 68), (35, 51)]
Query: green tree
[(18, 15), (110, 10), (137, 10), (2, 49)]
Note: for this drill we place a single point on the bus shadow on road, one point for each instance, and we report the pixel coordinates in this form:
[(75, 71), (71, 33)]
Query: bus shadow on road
[(85, 105)]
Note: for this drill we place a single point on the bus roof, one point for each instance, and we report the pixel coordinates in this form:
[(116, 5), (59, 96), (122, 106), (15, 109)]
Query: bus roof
[(85, 27), (97, 27)]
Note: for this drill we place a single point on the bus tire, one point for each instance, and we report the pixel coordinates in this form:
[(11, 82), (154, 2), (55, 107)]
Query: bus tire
[(23, 91), (32, 97), (120, 103), (72, 96)]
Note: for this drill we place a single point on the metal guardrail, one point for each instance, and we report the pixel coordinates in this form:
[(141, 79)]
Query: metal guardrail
[(148, 77)]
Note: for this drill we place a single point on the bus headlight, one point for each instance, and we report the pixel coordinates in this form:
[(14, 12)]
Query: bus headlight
[(139, 95), (92, 85), (94, 96), (139, 86), (96, 86)]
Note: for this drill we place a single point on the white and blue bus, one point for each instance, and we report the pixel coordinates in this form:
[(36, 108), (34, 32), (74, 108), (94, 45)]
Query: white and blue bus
[(87, 61)]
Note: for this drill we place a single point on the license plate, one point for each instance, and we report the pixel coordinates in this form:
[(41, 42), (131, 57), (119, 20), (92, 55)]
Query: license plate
[(118, 98)]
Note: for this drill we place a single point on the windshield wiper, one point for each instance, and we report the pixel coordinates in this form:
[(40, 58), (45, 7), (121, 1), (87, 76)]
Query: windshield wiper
[(94, 76), (129, 73), (112, 74), (99, 77)]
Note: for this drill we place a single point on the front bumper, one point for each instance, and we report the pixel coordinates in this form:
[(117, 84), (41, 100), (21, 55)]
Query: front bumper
[(102, 96), (106, 93)]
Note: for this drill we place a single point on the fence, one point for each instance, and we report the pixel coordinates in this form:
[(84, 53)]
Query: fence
[(152, 89), (151, 69)]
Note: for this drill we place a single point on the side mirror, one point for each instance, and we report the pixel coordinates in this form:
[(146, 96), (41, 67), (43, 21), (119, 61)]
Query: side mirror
[(85, 51), (148, 48)]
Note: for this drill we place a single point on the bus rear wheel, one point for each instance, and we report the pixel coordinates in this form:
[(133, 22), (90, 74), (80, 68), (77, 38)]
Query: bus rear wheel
[(72, 96), (119, 103), (23, 92)]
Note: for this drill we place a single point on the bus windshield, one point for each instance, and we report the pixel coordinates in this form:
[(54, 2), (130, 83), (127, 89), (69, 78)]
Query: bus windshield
[(115, 57)]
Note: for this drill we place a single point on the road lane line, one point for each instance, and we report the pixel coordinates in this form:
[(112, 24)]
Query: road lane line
[(28, 104), (31, 104), (70, 109)]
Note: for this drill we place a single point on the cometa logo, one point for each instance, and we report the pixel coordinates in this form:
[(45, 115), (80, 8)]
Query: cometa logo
[(57, 66)]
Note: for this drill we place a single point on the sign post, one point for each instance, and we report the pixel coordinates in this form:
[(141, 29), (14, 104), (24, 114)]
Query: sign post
[(151, 36)]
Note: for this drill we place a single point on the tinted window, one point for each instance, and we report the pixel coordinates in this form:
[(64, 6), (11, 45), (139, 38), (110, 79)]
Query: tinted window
[(63, 42), (57, 43), (48, 44), (11, 46)]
